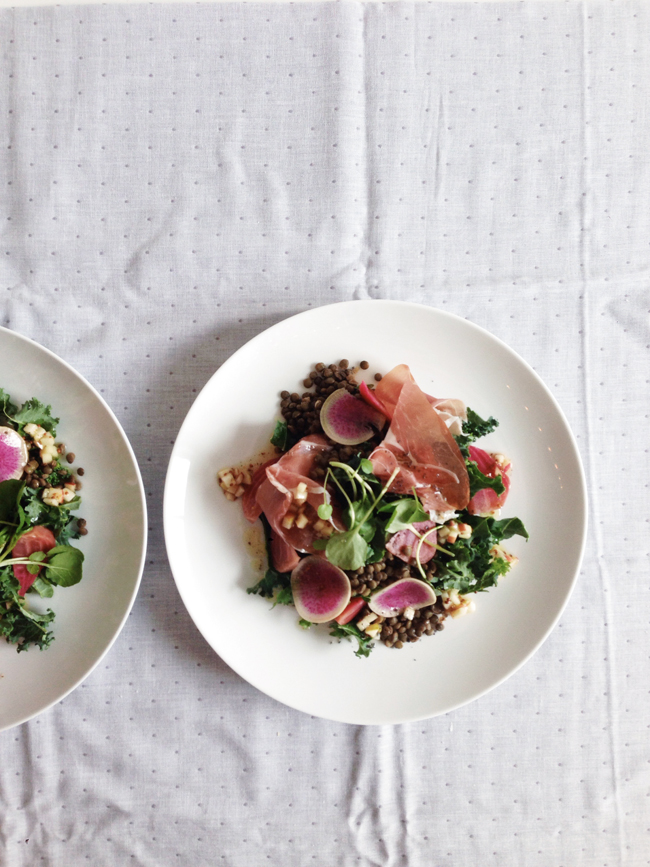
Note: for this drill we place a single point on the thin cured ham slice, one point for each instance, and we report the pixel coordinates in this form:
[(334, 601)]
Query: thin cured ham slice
[(404, 544), (486, 501), (276, 495), (388, 388), (452, 410), (421, 447), (251, 508), (283, 556)]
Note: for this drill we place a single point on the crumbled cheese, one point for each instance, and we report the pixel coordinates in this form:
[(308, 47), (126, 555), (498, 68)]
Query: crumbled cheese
[(443, 517)]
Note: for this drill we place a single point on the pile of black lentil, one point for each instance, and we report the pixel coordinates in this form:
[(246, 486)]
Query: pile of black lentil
[(302, 411), (396, 631)]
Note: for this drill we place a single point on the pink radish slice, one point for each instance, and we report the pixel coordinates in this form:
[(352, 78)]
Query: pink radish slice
[(13, 454), (407, 593), (321, 590), (348, 420)]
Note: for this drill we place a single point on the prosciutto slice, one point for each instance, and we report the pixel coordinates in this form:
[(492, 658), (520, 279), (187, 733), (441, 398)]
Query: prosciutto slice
[(275, 494), (284, 557), (251, 508), (404, 543), (486, 501), (420, 446), (452, 410)]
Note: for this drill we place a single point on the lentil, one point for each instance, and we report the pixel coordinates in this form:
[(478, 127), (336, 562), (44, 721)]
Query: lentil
[(302, 412), (396, 631)]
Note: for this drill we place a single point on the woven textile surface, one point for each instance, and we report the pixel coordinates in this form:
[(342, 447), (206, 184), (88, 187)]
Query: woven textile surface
[(177, 178)]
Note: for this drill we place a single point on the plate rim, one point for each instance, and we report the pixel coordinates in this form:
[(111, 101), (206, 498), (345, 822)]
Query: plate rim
[(571, 440), (39, 348)]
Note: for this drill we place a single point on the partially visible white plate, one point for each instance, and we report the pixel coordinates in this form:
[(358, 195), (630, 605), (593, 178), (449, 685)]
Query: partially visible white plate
[(90, 615), (232, 419)]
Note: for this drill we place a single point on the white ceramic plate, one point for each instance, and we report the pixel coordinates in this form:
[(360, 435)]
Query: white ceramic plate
[(89, 615), (232, 419)]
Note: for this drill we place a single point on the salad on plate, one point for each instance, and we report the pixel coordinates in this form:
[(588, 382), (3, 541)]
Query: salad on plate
[(381, 515), (38, 494)]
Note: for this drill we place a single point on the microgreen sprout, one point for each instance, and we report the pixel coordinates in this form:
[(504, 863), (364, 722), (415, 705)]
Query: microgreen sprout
[(349, 549), (324, 511), (418, 550)]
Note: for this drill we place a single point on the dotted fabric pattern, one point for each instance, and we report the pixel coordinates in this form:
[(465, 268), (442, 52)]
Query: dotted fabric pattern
[(176, 179)]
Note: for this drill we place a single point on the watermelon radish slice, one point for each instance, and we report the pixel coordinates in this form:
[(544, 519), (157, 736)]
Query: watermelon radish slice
[(13, 454), (321, 591), (348, 420), (397, 597)]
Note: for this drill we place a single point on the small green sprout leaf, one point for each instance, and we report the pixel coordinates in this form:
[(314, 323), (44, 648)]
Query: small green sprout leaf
[(325, 511)]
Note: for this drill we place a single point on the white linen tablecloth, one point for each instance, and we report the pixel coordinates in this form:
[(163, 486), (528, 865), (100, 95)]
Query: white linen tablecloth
[(177, 178)]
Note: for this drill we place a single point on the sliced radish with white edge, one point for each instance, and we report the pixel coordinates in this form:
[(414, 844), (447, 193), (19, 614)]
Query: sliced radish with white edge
[(13, 454), (348, 420), (403, 594), (321, 591)]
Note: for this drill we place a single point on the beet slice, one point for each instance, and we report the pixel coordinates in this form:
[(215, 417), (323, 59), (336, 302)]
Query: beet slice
[(348, 420), (13, 454), (397, 597), (321, 591)]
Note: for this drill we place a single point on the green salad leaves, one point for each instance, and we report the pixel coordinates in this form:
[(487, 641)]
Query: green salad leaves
[(363, 541), (465, 562), (31, 411), (22, 510), (350, 630), (477, 563)]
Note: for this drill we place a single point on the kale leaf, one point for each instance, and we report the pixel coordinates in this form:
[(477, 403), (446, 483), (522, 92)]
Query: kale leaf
[(17, 624), (478, 481), (7, 408), (474, 428), (37, 413), (274, 585), (57, 518), (351, 631), (473, 565), (508, 527)]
